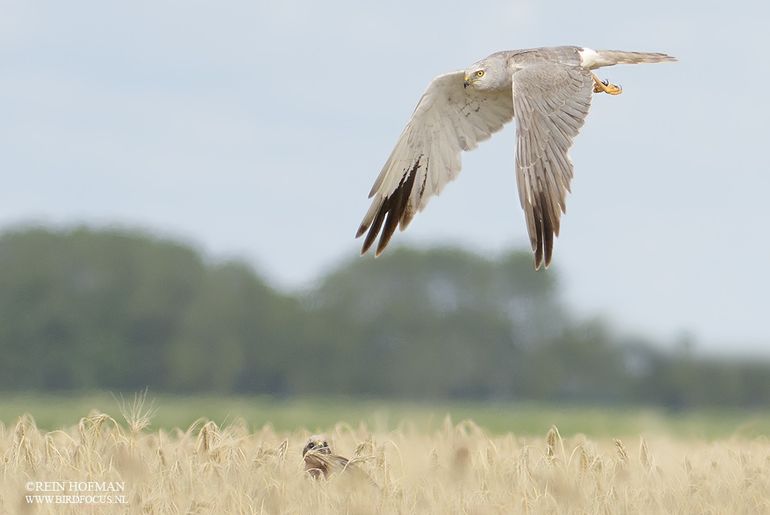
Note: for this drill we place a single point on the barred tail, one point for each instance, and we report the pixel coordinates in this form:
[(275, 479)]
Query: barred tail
[(597, 58)]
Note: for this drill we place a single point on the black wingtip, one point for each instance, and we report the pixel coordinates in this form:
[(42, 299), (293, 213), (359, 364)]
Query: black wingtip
[(545, 230), (538, 257), (539, 242), (374, 229), (392, 211), (548, 232)]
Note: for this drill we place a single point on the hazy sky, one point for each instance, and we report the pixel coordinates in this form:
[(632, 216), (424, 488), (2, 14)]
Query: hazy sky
[(255, 129)]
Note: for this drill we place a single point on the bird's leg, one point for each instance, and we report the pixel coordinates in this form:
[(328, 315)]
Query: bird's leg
[(604, 86)]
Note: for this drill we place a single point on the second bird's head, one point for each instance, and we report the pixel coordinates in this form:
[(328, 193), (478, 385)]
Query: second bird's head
[(485, 74), (317, 443)]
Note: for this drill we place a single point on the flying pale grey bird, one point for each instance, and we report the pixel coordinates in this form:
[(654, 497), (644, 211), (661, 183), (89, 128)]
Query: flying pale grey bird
[(547, 90)]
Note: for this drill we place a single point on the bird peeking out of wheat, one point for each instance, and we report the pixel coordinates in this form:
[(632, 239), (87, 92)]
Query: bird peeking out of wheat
[(321, 462)]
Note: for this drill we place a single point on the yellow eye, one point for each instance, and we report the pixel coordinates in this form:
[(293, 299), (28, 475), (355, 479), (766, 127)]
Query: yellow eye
[(480, 73)]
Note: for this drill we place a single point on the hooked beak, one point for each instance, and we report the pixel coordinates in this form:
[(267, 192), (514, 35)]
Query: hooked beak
[(466, 82)]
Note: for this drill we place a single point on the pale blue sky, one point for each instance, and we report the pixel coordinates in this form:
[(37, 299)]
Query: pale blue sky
[(255, 129)]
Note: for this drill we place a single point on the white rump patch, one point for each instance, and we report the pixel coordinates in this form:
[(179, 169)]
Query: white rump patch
[(589, 58)]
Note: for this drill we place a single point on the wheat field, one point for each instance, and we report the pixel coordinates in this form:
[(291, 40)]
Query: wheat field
[(459, 468)]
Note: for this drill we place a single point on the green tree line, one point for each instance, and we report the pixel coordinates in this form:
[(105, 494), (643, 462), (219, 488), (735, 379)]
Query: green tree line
[(123, 310)]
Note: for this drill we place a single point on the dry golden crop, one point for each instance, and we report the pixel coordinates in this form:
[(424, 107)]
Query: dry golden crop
[(457, 469)]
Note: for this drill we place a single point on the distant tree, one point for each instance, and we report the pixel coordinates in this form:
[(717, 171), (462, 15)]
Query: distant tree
[(234, 336), (122, 310), (438, 322), (82, 308)]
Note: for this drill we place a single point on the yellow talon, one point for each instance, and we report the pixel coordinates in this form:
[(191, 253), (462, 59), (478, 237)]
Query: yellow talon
[(604, 86)]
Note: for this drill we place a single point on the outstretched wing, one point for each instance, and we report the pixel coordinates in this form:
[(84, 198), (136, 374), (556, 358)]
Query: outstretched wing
[(448, 119), (551, 102)]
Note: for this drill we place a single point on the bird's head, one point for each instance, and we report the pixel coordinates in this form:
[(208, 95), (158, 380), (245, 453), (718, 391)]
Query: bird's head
[(317, 443), (473, 77), (486, 74)]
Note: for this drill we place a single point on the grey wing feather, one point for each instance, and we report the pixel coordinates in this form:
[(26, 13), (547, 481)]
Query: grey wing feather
[(550, 102), (448, 119)]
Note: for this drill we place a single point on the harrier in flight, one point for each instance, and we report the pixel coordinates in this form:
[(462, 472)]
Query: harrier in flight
[(547, 90)]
